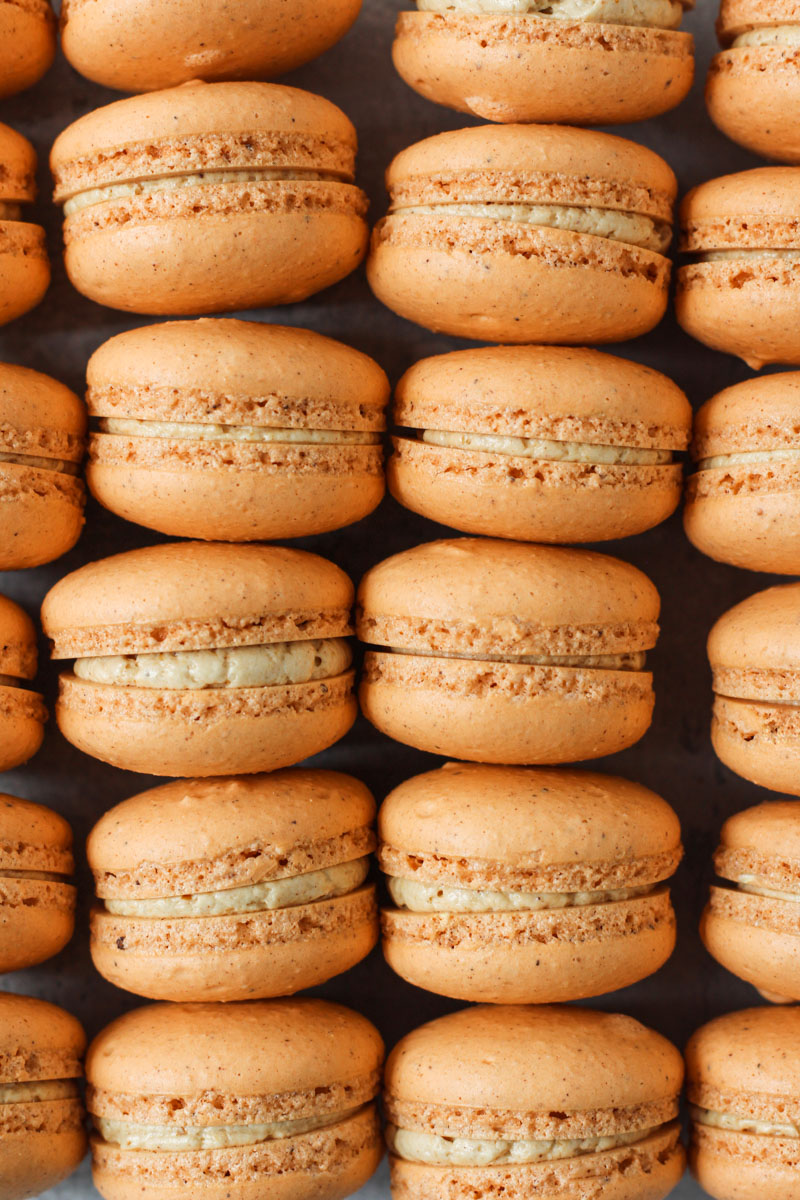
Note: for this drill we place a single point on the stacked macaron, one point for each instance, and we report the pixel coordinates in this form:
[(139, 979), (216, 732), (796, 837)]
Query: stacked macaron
[(22, 712), (24, 265)]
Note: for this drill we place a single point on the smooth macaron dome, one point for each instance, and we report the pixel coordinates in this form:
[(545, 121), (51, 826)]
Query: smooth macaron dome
[(500, 652), (753, 84), (141, 45), (754, 652), (22, 712), (751, 923), (235, 430), (533, 1101), (234, 889), (526, 233), (24, 265), (743, 501), (743, 1085), (42, 439), (595, 63), (208, 197), (27, 43), (740, 292), (42, 1135), (235, 1100), (200, 658), (539, 443), (37, 900), (520, 885)]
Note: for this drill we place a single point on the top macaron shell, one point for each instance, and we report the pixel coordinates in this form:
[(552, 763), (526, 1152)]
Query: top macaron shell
[(22, 712), (247, 382), (275, 218), (24, 265), (27, 43), (142, 45), (510, 279), (585, 401)]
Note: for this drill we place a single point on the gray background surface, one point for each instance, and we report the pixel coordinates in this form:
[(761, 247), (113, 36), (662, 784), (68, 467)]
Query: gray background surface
[(675, 758)]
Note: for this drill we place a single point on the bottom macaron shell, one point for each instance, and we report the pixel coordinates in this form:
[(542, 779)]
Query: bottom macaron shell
[(747, 307), (40, 1144), (760, 742), (24, 268), (753, 96), (756, 938), (509, 282), (37, 919), (326, 1164), (744, 1166), (22, 718), (212, 731), (753, 524), (498, 712), (531, 958), (508, 67), (249, 956), (530, 500), (41, 515), (646, 1170), (27, 46)]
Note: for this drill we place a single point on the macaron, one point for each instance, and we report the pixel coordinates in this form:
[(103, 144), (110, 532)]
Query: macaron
[(27, 43), (209, 196), (200, 658), (235, 430), (141, 45), (24, 265), (37, 900), (753, 84), (754, 652), (42, 438), (741, 291), (743, 1083), (539, 443), (751, 923), (743, 501), (234, 889), (235, 1101), (526, 233), (501, 652), (41, 1113), (526, 1101), (597, 63), (22, 712), (519, 885)]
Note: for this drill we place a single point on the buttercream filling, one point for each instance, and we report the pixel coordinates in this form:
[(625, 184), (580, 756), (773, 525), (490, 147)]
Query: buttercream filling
[(547, 448), (654, 14), (738, 1124), (53, 876), (38, 1089), (770, 35), (169, 183), (10, 212), (745, 883), (633, 661), (43, 464), (184, 430), (225, 667), (745, 255), (631, 228), (129, 1136), (418, 896), (744, 457), (452, 1150), (256, 897)]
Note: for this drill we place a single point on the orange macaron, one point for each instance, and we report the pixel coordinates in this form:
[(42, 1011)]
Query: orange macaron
[(24, 263), (22, 712), (27, 43)]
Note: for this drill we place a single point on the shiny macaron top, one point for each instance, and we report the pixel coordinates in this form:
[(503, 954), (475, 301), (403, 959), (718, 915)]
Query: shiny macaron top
[(759, 849), (18, 653), (754, 648), (33, 838), (40, 419), (758, 416), (739, 18), (17, 170), (736, 214), (38, 1041)]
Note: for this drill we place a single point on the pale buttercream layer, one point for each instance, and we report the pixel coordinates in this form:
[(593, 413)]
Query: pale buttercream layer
[(435, 1149), (772, 35), (649, 14), (744, 458), (130, 1136), (633, 661), (225, 667), (272, 894), (43, 464), (33, 1091), (547, 448), (420, 897), (747, 884), (736, 1123), (184, 430), (744, 255)]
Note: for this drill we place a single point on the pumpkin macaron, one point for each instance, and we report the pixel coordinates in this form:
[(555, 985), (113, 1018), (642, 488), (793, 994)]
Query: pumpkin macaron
[(24, 264), (27, 43), (22, 711)]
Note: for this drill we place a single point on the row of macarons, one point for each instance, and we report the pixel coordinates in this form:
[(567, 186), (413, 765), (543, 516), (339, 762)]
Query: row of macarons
[(507, 885), (214, 197), (279, 1097)]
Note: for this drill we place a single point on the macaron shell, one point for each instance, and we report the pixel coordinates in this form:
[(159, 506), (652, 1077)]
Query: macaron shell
[(755, 938), (748, 517), (759, 741), (745, 308), (24, 268), (22, 718), (753, 96), (37, 1158), (27, 44), (41, 516), (37, 919), (735, 1166)]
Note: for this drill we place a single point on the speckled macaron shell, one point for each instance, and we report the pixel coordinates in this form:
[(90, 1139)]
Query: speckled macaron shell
[(511, 282), (43, 1142), (552, 392), (210, 836), (753, 92), (214, 247), (538, 1072), (41, 510), (22, 712), (754, 652), (24, 265), (509, 67), (484, 599), (259, 1061), (37, 916), (743, 306), (27, 43), (200, 595), (748, 513), (746, 1063), (223, 372), (528, 830), (141, 45)]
